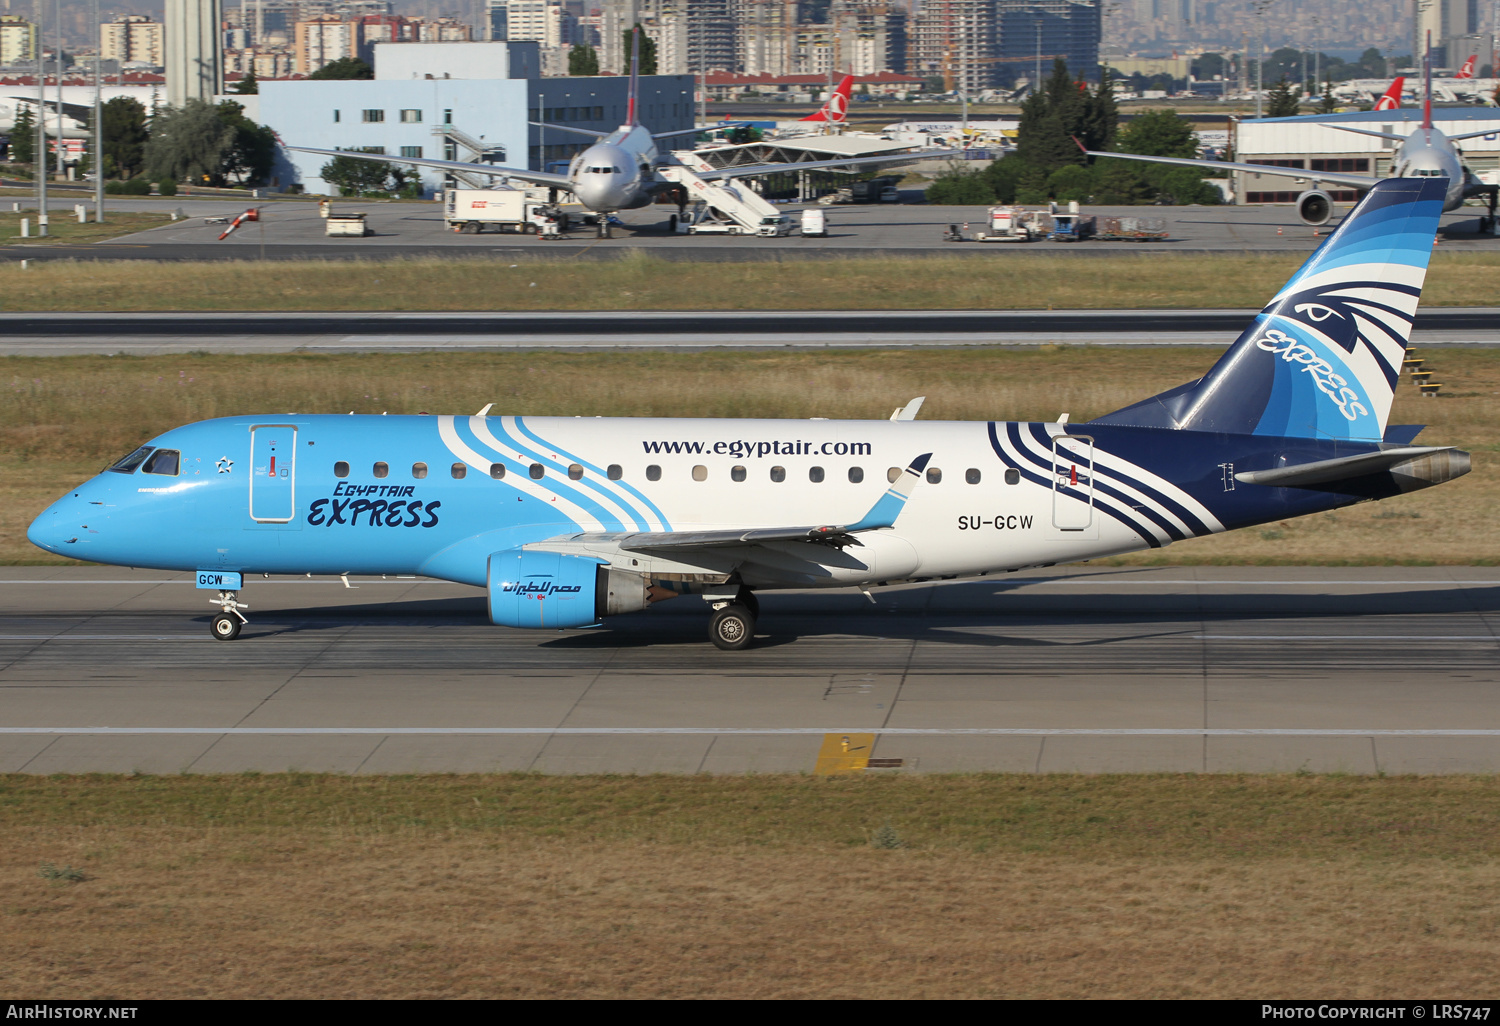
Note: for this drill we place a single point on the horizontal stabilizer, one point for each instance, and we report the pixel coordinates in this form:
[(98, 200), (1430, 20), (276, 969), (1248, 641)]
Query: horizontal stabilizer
[(1420, 466)]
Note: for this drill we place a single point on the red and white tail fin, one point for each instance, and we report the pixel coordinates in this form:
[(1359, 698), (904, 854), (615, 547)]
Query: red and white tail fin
[(837, 107), (1392, 98), (635, 75), (1467, 71), (1427, 84)]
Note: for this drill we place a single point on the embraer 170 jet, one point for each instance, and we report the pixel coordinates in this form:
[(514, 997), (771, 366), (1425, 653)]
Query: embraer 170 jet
[(619, 172), (566, 521), (1426, 152)]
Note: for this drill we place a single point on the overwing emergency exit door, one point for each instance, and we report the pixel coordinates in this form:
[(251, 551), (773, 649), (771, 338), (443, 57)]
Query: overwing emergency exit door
[(1072, 482), (273, 473)]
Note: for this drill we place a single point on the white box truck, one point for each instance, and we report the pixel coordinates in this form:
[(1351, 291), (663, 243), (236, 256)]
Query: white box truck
[(472, 211)]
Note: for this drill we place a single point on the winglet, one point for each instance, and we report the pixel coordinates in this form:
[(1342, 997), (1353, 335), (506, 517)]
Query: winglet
[(889, 506)]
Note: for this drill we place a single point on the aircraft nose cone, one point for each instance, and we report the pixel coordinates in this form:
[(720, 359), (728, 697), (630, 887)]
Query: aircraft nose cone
[(54, 530)]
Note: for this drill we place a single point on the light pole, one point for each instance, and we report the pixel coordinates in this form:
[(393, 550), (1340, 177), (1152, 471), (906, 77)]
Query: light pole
[(39, 160), (98, 119), (1261, 6)]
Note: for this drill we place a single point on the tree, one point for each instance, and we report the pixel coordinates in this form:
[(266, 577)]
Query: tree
[(1207, 66), (252, 149), (1283, 101), (188, 143), (1326, 103), (247, 86), (125, 137), (648, 50), (962, 188), (23, 136), (343, 68), (583, 60), (1159, 133), (356, 177)]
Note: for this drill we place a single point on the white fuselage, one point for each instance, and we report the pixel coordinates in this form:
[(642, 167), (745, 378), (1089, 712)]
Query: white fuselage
[(616, 172), (1428, 153)]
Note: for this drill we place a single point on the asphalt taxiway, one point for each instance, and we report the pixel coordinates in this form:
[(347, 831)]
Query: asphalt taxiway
[(1089, 669)]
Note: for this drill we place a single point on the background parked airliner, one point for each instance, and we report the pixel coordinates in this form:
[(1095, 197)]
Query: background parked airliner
[(568, 520), (619, 172), (1426, 152)]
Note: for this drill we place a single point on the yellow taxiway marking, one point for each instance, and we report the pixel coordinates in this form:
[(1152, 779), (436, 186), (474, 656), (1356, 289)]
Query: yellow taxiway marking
[(844, 753)]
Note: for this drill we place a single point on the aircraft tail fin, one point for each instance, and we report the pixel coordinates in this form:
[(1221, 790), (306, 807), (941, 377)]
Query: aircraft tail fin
[(1323, 358), (1467, 71), (1427, 84), (635, 76), (1392, 98), (837, 107)]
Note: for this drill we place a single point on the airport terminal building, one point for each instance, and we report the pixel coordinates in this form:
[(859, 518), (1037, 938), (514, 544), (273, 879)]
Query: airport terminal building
[(457, 101), (1307, 143)]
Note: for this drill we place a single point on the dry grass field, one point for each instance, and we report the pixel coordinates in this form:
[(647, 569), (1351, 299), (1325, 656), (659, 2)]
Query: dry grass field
[(64, 418), (996, 281), (771, 887)]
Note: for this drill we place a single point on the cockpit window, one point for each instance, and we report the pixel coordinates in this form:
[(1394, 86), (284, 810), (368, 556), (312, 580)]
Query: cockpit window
[(135, 459), (163, 461)]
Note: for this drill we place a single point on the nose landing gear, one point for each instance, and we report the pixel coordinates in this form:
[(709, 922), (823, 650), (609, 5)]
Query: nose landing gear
[(225, 626)]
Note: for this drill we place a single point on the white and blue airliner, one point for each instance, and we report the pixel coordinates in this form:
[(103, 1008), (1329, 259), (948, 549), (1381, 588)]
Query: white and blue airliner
[(568, 521)]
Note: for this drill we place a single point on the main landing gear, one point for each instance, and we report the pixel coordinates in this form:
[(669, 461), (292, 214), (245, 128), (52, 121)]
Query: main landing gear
[(1487, 223), (225, 626), (733, 624)]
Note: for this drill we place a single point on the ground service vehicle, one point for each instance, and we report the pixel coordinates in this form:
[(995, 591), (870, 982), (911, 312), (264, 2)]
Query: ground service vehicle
[(472, 211)]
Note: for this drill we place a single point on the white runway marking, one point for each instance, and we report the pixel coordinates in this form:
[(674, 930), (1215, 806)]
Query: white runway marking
[(772, 731)]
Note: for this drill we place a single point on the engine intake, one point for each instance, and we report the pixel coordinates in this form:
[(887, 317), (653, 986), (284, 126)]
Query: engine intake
[(1315, 207), (555, 590)]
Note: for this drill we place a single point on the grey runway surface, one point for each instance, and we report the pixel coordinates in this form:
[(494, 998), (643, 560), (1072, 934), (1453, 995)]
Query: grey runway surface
[(142, 334), (1366, 670)]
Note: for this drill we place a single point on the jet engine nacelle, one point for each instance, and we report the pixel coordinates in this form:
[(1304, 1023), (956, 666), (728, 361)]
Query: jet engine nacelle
[(1315, 207), (555, 590)]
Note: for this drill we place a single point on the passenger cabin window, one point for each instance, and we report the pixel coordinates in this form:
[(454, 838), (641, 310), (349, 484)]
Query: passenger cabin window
[(893, 475), (972, 475), (382, 469), (163, 461), (1012, 476), (537, 471), (127, 464), (653, 473), (778, 474), (459, 470), (934, 475), (815, 475), (736, 473), (700, 473), (615, 473), (575, 472), (341, 469), (497, 471), (856, 475), (419, 470)]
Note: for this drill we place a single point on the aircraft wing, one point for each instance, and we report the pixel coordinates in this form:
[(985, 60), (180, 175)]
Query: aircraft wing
[(569, 128), (695, 131), (1371, 132), (755, 170), (882, 515), (1331, 177), (76, 111), (494, 170)]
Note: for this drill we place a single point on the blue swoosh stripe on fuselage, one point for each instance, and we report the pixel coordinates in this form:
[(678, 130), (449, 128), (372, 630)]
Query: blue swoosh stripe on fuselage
[(1191, 524), (628, 488), (605, 517), (1045, 479)]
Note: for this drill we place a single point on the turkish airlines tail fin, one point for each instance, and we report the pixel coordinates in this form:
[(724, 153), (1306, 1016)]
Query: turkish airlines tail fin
[(837, 107), (1467, 71), (1392, 98), (635, 77), (1427, 84)]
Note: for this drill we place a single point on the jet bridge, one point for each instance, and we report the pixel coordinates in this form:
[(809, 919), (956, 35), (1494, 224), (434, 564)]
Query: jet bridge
[(728, 206)]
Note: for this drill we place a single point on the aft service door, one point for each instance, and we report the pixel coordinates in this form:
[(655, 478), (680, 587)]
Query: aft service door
[(273, 473), (1072, 482)]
